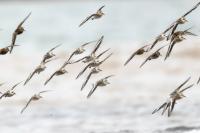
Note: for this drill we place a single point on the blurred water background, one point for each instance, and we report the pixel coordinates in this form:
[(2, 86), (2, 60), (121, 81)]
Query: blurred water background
[(125, 105)]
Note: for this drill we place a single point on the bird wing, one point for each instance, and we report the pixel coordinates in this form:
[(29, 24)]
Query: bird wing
[(85, 44), (30, 76), (21, 23), (54, 48), (15, 85), (187, 88), (50, 78), (191, 9), (85, 68), (162, 106), (101, 8), (98, 45), (106, 58), (180, 86), (102, 53), (26, 105), (86, 81), (92, 90), (88, 18), (14, 36), (44, 91), (145, 61), (169, 50), (109, 76)]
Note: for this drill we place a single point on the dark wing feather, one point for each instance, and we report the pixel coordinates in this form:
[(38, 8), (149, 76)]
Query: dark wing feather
[(15, 85), (101, 8), (97, 45), (106, 58), (88, 18), (29, 78), (92, 91), (54, 48), (180, 86), (191, 9), (50, 78), (14, 36), (26, 105), (85, 68), (156, 110), (147, 59), (86, 81), (20, 24), (102, 53), (187, 88)]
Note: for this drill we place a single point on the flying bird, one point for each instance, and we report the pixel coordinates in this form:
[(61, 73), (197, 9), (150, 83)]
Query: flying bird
[(176, 95), (100, 83), (40, 68), (95, 70), (94, 63), (49, 54), (96, 15), (181, 20), (18, 31), (140, 51), (154, 55), (92, 56), (10, 92), (80, 50), (35, 97)]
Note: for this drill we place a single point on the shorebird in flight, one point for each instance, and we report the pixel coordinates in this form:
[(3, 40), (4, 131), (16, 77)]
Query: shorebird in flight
[(5, 50), (80, 50), (140, 51), (49, 54), (59, 72), (95, 70), (96, 15), (18, 31), (181, 20), (92, 55), (176, 95), (10, 92), (35, 97), (154, 55), (40, 68), (177, 37), (94, 63), (100, 83)]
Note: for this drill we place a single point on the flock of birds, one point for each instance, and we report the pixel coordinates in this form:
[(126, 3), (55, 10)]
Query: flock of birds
[(93, 60)]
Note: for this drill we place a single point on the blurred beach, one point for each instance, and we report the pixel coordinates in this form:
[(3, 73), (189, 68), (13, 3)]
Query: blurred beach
[(126, 104)]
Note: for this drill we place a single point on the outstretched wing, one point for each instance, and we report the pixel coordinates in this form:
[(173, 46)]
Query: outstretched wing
[(187, 88), (180, 86), (191, 9), (86, 81), (21, 23), (44, 91), (162, 106), (133, 55), (29, 77), (147, 59), (14, 36), (54, 48), (102, 53), (88, 18), (101, 8), (15, 85), (82, 71), (92, 90), (97, 45), (50, 78), (106, 58), (26, 105)]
